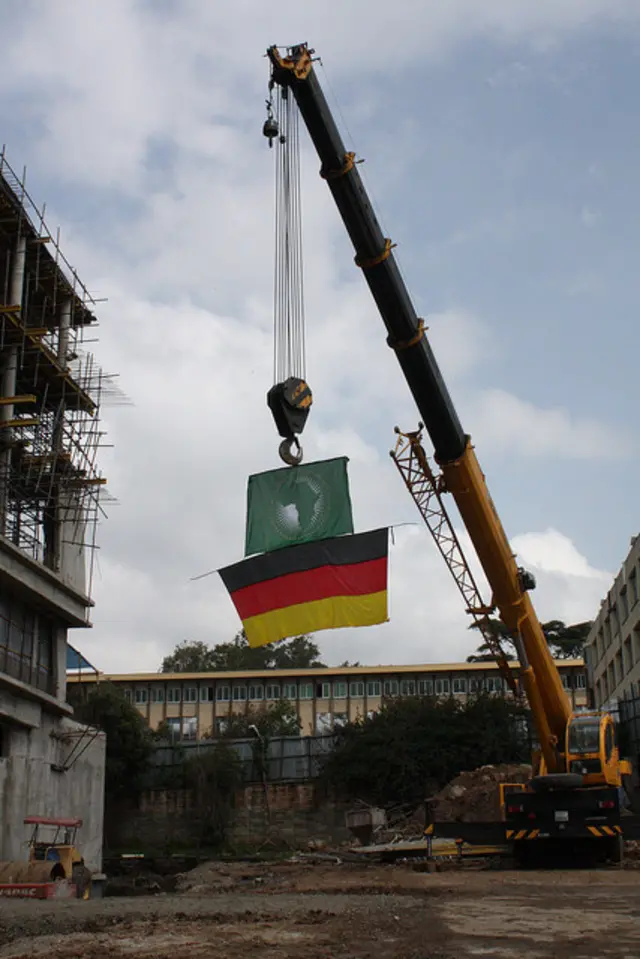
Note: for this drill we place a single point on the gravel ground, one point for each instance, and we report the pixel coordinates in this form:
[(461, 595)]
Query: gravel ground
[(340, 912)]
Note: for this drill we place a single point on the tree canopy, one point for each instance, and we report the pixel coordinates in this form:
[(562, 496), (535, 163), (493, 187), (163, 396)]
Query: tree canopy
[(565, 642), (129, 739), (270, 719), (197, 657)]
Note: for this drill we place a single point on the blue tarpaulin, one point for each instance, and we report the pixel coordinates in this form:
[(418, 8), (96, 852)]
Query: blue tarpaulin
[(76, 660)]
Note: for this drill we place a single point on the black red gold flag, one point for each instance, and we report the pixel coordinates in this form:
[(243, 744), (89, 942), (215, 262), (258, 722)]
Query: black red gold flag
[(326, 584)]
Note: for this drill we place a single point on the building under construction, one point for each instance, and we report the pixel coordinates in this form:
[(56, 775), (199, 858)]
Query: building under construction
[(50, 498)]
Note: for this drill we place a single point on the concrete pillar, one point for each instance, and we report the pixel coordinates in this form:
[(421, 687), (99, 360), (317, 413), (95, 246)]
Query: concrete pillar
[(9, 377), (63, 339)]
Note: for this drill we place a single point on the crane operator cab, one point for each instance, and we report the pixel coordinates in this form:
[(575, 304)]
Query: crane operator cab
[(592, 750)]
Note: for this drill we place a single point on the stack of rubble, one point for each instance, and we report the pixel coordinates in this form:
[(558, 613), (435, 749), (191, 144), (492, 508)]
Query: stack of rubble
[(474, 796)]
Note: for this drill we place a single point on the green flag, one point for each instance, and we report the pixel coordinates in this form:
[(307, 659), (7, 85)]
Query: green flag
[(297, 504)]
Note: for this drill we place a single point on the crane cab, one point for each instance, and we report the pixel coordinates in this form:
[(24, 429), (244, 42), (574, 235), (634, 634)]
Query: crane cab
[(592, 749)]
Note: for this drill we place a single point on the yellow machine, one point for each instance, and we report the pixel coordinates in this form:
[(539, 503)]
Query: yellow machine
[(54, 866), (575, 789)]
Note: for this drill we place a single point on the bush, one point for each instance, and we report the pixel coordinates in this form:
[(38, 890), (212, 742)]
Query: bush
[(413, 747)]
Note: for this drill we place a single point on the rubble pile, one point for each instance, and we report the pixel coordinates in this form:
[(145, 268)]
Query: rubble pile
[(474, 796)]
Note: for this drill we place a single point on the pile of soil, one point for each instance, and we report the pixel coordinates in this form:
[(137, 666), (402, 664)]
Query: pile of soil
[(474, 796)]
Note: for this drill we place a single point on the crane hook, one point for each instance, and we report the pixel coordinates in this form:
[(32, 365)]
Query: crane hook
[(270, 128), (286, 453)]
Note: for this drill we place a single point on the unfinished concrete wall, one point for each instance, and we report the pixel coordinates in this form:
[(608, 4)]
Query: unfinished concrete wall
[(33, 780)]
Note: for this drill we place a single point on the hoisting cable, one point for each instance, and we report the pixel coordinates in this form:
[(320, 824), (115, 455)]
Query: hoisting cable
[(290, 398)]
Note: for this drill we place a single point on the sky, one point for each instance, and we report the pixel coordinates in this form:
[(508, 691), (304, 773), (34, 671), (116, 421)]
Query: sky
[(501, 152)]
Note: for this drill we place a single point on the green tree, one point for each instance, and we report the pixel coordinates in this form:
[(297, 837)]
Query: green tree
[(213, 777), (189, 657), (298, 653), (414, 746), (566, 642), (129, 739), (270, 719), (500, 632)]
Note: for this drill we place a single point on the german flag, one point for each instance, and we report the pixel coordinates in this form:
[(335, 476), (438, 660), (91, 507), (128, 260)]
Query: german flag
[(302, 589)]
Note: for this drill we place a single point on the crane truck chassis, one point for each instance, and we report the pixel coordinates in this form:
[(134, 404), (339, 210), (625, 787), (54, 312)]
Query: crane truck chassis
[(575, 789)]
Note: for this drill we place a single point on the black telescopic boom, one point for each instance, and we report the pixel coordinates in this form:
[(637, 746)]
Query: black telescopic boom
[(373, 255)]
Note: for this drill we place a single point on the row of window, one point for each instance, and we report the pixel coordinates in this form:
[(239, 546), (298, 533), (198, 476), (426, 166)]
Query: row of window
[(628, 596), (259, 692)]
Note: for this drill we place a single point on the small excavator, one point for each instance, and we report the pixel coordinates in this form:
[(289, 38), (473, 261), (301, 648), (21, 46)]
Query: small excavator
[(578, 772)]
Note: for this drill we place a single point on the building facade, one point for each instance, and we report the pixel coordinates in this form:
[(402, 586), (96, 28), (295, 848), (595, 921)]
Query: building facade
[(195, 705), (613, 644), (49, 401)]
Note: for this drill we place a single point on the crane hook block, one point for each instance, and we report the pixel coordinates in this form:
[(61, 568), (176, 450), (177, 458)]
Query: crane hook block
[(270, 129), (290, 403)]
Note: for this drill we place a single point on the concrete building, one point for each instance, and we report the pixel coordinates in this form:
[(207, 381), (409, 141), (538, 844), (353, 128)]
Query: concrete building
[(49, 499), (199, 704), (613, 645)]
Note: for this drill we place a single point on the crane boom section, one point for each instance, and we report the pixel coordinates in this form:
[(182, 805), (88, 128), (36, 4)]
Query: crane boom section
[(453, 450)]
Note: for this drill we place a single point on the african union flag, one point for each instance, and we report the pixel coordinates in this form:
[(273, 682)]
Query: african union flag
[(302, 589), (289, 506)]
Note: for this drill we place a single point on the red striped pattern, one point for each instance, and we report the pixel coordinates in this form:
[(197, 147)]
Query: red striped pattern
[(356, 579)]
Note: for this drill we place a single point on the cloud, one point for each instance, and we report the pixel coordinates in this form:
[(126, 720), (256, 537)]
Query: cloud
[(509, 423), (145, 120), (568, 587)]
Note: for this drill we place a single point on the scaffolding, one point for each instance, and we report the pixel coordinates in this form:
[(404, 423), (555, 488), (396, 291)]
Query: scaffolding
[(51, 389)]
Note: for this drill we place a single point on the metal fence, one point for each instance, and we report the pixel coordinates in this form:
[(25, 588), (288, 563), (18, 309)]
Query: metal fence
[(287, 759), (627, 714)]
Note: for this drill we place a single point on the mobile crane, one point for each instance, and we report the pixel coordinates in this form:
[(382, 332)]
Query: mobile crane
[(575, 790)]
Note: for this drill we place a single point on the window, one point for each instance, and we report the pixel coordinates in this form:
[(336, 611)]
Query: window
[(390, 687), (306, 690), (323, 691), (142, 695), (127, 695), (425, 687), (615, 623), (493, 684), (174, 694), (273, 691), (239, 694), (442, 687), (173, 724), (223, 694), (206, 694), (256, 692), (633, 587), (408, 687), (323, 724), (356, 689), (459, 685), (373, 688), (290, 691), (624, 603), (339, 690), (190, 694), (157, 694), (565, 680), (627, 658), (190, 728), (5, 741)]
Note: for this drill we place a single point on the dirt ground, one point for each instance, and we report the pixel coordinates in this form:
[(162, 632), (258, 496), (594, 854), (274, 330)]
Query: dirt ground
[(347, 911)]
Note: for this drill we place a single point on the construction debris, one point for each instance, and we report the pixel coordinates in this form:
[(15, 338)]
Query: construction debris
[(474, 796)]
